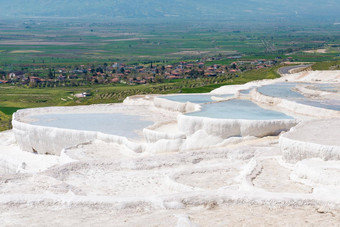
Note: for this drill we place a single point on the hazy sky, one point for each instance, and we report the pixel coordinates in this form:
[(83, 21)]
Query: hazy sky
[(191, 9)]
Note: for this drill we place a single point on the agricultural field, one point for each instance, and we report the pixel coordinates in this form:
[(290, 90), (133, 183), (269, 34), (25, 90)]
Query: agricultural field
[(67, 42)]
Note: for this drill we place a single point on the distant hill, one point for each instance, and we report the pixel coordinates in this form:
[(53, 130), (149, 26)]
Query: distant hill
[(190, 9)]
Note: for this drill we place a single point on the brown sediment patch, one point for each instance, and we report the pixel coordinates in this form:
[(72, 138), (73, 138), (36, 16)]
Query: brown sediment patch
[(24, 51)]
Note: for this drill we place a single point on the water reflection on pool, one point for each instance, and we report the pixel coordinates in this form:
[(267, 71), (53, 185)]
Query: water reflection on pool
[(113, 123), (238, 109)]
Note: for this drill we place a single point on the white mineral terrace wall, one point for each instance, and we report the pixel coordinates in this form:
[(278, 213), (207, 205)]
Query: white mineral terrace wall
[(48, 140), (152, 135), (312, 139), (139, 100), (158, 141), (293, 107), (52, 140), (225, 128), (295, 150), (163, 103), (175, 106)]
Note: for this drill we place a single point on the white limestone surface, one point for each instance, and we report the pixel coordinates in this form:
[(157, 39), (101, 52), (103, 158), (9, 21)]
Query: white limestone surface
[(234, 89), (329, 76), (225, 128), (318, 172), (13, 160), (175, 106), (163, 130), (312, 139)]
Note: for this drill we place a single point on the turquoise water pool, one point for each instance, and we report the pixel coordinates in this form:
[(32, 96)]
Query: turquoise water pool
[(115, 123), (238, 109)]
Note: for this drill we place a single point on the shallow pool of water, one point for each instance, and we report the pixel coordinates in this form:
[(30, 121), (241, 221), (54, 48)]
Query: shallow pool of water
[(238, 109), (194, 98), (280, 90), (115, 123), (286, 91)]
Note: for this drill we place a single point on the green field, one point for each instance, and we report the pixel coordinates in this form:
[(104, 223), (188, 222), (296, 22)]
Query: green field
[(5, 121), (53, 43)]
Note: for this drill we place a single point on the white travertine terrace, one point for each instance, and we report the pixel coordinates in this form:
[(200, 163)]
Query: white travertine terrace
[(293, 107), (312, 139), (182, 170), (226, 128), (175, 106)]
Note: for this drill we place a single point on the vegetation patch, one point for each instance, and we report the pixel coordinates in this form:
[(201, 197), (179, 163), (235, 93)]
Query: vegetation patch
[(327, 65), (5, 121)]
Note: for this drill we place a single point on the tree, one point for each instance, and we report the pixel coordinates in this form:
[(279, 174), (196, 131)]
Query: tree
[(50, 74), (99, 70)]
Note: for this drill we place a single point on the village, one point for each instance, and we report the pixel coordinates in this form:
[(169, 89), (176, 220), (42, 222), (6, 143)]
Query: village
[(80, 75)]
